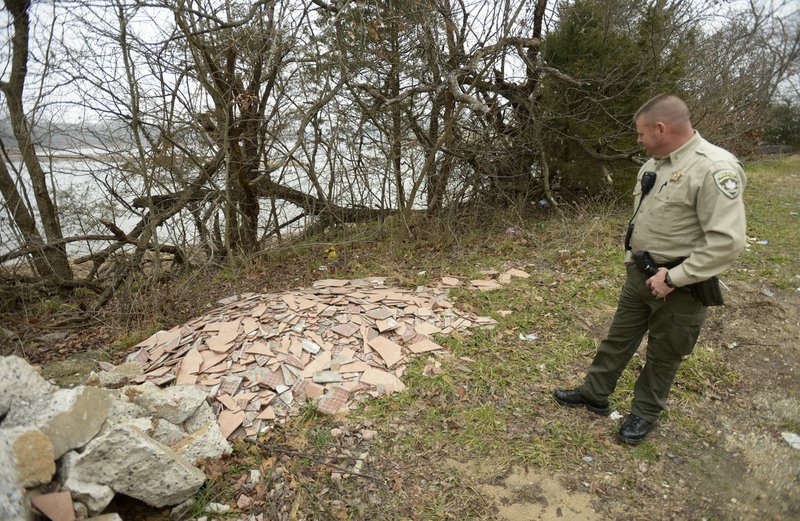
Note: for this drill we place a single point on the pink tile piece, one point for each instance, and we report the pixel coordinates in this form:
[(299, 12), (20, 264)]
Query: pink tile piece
[(347, 329), (390, 352), (229, 421), (377, 377), (320, 363), (189, 367), (272, 379), (229, 385), (330, 283), (424, 346), (57, 506), (334, 401)]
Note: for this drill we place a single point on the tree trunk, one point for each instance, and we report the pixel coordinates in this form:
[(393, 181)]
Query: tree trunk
[(23, 220), (58, 264)]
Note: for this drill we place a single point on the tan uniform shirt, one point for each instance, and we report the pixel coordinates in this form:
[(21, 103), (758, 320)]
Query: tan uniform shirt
[(694, 210)]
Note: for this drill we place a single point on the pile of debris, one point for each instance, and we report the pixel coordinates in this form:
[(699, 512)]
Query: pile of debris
[(235, 371), (141, 441), (339, 342)]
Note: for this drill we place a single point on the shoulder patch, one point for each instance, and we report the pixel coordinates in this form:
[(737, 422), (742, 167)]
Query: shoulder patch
[(728, 183)]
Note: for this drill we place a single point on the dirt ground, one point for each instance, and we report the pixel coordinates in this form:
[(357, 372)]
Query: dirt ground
[(732, 463), (739, 468)]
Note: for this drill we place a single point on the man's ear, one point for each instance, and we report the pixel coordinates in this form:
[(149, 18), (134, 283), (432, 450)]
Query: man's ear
[(661, 128)]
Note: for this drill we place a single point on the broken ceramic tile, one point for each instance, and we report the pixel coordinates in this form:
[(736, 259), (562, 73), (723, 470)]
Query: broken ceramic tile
[(389, 351), (57, 506), (334, 401), (324, 377), (229, 421), (424, 346)]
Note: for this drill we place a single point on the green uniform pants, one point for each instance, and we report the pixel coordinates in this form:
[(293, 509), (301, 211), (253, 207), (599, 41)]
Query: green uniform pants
[(673, 325)]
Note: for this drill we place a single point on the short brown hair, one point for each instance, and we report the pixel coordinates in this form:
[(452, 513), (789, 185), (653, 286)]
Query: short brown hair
[(667, 108)]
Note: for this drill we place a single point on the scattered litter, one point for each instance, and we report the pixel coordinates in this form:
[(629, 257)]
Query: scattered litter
[(530, 337), (792, 439), (675, 458), (541, 367), (763, 241), (255, 477), (733, 345), (615, 415), (217, 508), (588, 459), (767, 292)]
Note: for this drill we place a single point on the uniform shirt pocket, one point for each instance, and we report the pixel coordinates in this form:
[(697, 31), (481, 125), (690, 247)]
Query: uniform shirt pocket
[(673, 211)]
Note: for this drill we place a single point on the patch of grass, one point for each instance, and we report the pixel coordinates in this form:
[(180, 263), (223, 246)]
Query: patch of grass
[(772, 204), (646, 451), (702, 372), (48, 306), (209, 493), (319, 437), (124, 343), (790, 425), (496, 407)]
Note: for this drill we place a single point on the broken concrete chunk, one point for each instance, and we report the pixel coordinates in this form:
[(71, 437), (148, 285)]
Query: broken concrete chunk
[(94, 496), (120, 374), (204, 443), (167, 433), (122, 409), (174, 404), (200, 418), (128, 461), (12, 504), (28, 455), (69, 417), (20, 381)]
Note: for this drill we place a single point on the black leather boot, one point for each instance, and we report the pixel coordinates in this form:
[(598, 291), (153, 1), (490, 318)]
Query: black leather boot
[(574, 398), (634, 430)]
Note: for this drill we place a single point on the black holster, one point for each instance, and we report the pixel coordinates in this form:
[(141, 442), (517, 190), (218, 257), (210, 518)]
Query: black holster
[(645, 263), (707, 292)]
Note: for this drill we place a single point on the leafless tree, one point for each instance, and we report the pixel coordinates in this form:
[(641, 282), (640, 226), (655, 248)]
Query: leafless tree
[(218, 127), (50, 259)]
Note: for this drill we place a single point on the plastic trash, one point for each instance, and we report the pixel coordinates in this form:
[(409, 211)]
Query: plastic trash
[(792, 439)]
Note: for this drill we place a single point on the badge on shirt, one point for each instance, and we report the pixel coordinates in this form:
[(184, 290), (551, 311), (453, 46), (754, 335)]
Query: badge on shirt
[(728, 183)]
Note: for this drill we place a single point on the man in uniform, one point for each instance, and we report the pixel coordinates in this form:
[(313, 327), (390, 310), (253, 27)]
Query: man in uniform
[(692, 223)]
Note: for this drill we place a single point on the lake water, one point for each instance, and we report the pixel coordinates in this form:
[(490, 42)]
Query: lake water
[(91, 187)]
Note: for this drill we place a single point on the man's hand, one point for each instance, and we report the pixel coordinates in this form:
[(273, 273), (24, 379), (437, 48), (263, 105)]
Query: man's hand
[(657, 286)]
